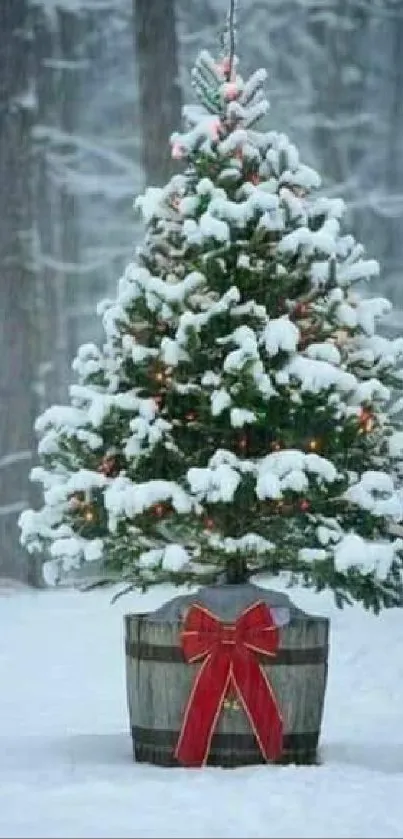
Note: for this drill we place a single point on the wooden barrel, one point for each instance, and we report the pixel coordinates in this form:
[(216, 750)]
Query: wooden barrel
[(159, 680)]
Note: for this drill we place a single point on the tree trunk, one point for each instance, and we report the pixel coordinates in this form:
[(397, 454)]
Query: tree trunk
[(156, 52), (17, 290), (68, 246), (48, 378), (338, 31)]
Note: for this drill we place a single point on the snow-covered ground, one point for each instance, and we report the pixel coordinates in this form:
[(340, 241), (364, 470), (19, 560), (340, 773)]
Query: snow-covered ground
[(66, 766)]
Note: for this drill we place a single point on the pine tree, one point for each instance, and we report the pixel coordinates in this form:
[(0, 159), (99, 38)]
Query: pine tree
[(240, 419)]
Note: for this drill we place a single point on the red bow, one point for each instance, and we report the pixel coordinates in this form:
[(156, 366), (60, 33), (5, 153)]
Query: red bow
[(229, 663)]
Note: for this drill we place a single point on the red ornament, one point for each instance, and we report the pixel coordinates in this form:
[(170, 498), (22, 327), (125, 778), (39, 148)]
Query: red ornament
[(158, 510), (255, 179), (229, 666), (231, 91), (224, 66), (304, 505), (177, 151)]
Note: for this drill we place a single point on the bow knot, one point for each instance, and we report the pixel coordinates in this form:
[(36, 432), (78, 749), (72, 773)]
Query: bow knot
[(228, 633)]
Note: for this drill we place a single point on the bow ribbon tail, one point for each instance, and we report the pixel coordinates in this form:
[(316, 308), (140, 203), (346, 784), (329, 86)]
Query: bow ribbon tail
[(203, 709), (259, 703)]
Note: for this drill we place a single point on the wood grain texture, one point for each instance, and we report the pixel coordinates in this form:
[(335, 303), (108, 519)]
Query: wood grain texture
[(158, 688)]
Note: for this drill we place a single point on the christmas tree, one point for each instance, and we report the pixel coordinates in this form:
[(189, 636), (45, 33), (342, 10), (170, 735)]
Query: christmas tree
[(240, 419)]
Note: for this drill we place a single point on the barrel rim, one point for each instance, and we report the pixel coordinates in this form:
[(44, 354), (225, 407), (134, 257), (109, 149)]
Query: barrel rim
[(129, 616)]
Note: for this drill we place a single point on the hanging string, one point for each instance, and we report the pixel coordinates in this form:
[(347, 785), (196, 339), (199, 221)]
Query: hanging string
[(231, 30), (228, 39)]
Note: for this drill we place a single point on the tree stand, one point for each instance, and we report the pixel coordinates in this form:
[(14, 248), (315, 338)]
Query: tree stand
[(229, 676)]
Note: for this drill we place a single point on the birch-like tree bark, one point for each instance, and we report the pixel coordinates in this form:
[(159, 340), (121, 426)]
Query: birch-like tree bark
[(156, 53), (18, 339)]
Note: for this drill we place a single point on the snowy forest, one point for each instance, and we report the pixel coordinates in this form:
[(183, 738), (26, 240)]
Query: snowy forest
[(90, 92)]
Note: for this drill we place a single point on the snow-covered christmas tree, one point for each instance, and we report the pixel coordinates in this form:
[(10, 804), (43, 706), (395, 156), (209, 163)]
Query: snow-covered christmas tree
[(241, 417)]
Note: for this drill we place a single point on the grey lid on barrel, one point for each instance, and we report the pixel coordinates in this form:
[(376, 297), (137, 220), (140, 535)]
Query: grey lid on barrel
[(228, 601)]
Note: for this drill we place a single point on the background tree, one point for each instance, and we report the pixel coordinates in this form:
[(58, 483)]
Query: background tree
[(156, 52), (18, 338)]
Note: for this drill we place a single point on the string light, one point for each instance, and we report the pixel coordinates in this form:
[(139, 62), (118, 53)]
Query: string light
[(108, 465), (175, 201), (255, 179), (191, 416), (163, 375), (158, 510), (89, 514), (301, 309), (209, 523), (276, 446), (243, 443), (304, 505), (366, 420), (313, 445), (340, 337)]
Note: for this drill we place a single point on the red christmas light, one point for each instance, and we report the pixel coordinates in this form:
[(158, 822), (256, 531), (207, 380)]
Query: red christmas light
[(304, 505), (366, 420), (158, 510), (255, 179), (108, 465), (301, 309)]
